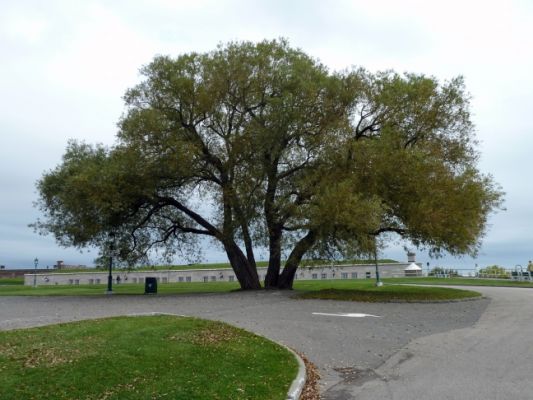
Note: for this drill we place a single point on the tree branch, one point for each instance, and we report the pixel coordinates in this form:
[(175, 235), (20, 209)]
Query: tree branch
[(399, 231), (193, 215)]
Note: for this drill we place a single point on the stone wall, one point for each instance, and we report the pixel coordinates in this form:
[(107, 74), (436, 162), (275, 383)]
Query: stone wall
[(365, 271), (19, 273)]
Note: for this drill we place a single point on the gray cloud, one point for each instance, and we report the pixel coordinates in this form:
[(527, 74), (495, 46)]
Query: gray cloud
[(66, 65)]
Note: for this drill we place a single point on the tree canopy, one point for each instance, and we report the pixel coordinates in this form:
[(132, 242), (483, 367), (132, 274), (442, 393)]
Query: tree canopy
[(259, 145)]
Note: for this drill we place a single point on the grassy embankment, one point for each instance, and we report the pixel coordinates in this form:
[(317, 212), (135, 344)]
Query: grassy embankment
[(224, 265), (11, 281), (142, 358)]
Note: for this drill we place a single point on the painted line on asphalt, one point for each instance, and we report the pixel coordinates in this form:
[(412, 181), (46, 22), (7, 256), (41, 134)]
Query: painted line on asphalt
[(349, 315)]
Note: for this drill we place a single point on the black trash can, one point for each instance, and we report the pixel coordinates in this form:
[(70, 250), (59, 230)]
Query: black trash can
[(150, 285)]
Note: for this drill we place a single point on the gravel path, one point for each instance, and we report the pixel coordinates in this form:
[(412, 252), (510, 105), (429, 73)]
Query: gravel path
[(346, 350)]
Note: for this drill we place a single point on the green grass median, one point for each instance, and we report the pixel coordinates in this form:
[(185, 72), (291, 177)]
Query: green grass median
[(156, 357), (460, 281), (366, 291)]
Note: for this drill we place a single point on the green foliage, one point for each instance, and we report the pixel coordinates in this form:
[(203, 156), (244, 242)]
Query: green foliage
[(259, 144), (439, 271), (142, 358), (494, 270)]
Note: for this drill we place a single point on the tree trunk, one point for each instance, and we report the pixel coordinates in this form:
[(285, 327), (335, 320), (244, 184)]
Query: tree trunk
[(248, 244), (274, 260), (286, 278), (273, 226), (243, 222), (245, 273)]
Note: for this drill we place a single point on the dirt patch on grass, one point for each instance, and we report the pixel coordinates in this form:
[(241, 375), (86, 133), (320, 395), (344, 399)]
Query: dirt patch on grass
[(48, 357), (213, 334), (131, 386), (38, 355), (7, 350)]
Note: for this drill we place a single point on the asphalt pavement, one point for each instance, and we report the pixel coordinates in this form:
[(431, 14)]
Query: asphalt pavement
[(461, 350), (491, 360)]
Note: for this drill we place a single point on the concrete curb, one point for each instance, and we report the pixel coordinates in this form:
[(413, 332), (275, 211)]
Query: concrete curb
[(297, 385)]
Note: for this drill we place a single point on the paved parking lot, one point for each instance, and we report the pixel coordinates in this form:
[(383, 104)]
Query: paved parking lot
[(347, 349)]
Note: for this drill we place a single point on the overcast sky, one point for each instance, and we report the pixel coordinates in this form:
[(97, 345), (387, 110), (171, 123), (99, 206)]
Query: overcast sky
[(66, 64)]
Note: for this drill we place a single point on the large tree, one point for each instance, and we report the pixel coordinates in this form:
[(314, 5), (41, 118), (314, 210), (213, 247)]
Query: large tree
[(258, 145)]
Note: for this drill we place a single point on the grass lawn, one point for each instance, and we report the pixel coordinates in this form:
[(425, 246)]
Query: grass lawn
[(366, 291), (360, 290), (157, 357), (122, 289), (355, 290)]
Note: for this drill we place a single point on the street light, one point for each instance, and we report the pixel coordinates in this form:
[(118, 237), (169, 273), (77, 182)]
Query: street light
[(35, 263), (378, 282), (111, 245)]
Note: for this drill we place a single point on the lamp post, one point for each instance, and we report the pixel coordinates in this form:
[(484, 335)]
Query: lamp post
[(111, 245), (378, 281), (35, 263)]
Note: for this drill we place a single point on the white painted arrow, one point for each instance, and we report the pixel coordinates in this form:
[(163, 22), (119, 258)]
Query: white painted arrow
[(350, 315)]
